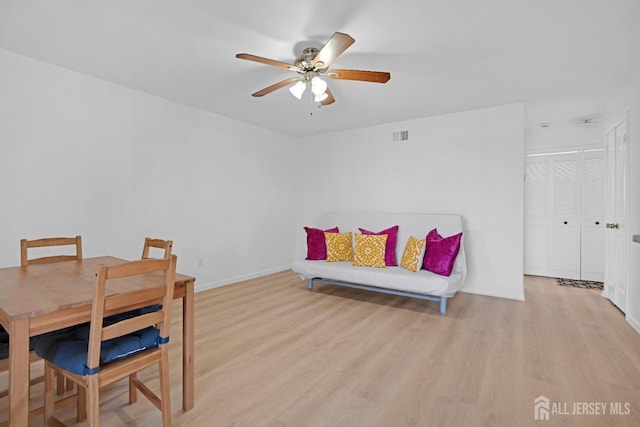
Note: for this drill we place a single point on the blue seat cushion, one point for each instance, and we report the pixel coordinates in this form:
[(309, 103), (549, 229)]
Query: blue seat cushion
[(69, 351), (81, 332), (4, 341)]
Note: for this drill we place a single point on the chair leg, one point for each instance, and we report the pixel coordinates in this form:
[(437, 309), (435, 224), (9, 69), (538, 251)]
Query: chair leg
[(82, 404), (60, 386), (49, 397), (93, 401), (133, 395), (165, 395)]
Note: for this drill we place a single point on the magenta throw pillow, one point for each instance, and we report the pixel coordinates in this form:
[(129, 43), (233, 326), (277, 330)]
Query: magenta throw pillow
[(441, 252), (316, 245), (390, 249)]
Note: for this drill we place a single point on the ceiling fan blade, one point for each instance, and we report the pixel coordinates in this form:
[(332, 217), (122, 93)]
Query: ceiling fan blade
[(269, 89), (338, 43), (365, 76), (329, 99), (268, 61)]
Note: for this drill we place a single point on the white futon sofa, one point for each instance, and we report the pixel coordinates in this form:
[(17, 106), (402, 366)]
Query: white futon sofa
[(422, 284)]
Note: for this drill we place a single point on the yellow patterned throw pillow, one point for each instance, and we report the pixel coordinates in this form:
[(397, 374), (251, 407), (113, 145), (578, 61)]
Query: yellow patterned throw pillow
[(339, 247), (370, 249), (411, 256)]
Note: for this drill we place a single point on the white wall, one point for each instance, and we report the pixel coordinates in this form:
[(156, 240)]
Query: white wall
[(469, 163), (83, 156), (566, 136), (627, 100)]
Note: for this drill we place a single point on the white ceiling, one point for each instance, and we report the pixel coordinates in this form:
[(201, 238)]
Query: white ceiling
[(563, 58)]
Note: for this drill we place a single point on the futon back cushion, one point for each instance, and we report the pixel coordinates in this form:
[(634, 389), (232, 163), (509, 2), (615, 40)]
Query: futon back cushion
[(413, 250), (369, 250), (392, 240), (316, 245), (441, 252), (339, 246)]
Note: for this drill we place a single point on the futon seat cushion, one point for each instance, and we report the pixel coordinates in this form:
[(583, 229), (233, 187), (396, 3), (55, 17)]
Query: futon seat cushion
[(69, 351)]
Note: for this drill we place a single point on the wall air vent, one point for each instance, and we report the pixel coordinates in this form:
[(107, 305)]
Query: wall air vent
[(402, 135)]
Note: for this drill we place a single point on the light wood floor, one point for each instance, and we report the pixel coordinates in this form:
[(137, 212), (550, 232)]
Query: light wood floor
[(271, 353)]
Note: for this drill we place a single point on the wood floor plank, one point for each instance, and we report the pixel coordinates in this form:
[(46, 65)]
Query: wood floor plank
[(271, 353)]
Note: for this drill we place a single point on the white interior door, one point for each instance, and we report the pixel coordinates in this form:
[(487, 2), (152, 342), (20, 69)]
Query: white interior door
[(565, 220), (537, 259), (616, 210), (592, 233)]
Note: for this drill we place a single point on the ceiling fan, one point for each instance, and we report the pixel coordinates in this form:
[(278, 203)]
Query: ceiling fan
[(313, 64)]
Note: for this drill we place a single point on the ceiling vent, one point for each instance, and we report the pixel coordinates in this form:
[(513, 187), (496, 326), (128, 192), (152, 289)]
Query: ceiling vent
[(402, 135)]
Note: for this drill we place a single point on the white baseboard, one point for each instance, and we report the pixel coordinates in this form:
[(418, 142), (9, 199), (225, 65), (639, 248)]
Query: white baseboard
[(231, 280), (633, 322), (493, 294)]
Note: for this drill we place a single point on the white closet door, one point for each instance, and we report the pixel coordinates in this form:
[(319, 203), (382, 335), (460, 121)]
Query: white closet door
[(564, 215), (537, 211), (565, 220), (592, 244)]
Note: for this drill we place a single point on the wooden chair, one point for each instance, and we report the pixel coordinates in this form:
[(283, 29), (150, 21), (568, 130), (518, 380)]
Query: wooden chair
[(25, 261), (4, 367), (49, 242), (125, 325), (165, 245)]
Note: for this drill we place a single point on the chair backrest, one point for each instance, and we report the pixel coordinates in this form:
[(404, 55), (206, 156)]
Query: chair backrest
[(148, 282), (48, 242), (165, 245)]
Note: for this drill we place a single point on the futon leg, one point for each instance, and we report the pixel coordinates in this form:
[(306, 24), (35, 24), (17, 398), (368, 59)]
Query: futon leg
[(443, 305), (310, 285)]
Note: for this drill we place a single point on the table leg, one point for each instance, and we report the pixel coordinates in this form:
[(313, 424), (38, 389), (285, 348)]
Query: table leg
[(19, 373), (188, 373)]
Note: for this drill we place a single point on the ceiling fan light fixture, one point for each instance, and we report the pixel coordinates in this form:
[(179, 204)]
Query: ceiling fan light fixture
[(321, 97), (318, 86), (314, 63), (298, 88)]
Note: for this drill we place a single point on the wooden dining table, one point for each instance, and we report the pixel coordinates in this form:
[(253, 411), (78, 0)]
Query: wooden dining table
[(46, 297)]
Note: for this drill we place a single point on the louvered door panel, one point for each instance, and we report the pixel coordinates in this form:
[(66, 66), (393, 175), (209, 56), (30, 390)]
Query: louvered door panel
[(592, 233), (537, 211), (565, 222)]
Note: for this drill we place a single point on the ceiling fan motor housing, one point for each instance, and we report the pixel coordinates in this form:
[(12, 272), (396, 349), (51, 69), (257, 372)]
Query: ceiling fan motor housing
[(305, 60)]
